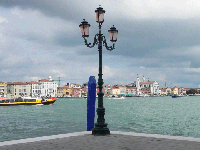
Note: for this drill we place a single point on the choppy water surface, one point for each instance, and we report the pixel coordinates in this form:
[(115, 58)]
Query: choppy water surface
[(154, 115)]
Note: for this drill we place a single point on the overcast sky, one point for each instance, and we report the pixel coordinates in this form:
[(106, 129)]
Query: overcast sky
[(159, 39)]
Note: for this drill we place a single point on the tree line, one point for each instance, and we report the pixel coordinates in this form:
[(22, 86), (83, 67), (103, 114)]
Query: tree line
[(193, 91)]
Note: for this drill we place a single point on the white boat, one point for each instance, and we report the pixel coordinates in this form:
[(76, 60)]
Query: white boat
[(143, 95), (67, 96), (146, 95), (179, 96), (119, 97)]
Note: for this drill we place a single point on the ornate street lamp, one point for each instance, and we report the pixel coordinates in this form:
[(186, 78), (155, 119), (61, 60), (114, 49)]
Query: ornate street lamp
[(84, 28), (100, 127)]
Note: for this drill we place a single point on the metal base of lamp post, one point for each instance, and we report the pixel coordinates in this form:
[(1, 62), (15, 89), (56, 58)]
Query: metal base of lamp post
[(100, 127), (100, 130)]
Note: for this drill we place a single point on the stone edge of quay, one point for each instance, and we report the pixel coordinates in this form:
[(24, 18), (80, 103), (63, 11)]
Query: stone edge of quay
[(43, 138)]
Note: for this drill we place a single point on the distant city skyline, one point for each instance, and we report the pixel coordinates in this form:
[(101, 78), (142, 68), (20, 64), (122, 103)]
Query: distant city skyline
[(157, 39), (63, 82)]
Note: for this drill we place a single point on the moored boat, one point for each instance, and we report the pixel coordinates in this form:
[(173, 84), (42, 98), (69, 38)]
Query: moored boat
[(119, 97), (26, 101), (142, 95), (178, 96)]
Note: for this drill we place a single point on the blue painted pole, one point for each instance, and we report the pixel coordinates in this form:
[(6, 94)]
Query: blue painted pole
[(91, 103)]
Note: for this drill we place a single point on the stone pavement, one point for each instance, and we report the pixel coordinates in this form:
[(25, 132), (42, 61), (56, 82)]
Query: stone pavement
[(115, 141)]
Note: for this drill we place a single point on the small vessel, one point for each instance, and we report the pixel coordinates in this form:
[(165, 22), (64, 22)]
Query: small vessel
[(120, 97), (26, 101), (178, 96), (142, 95), (67, 96)]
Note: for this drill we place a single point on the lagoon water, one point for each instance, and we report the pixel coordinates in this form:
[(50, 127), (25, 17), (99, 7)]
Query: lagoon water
[(151, 115)]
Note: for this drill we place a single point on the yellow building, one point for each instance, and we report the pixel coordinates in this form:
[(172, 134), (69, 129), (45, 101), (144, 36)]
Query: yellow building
[(3, 89), (67, 92), (174, 90), (115, 91), (64, 91)]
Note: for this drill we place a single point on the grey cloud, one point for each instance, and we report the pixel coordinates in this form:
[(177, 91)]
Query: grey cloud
[(158, 39), (51, 8), (155, 44), (195, 64)]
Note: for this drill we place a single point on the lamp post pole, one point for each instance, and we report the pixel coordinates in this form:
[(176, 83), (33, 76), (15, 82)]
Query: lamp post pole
[(100, 127)]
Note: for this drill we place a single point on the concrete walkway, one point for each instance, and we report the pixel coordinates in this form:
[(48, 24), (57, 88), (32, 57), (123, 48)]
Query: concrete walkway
[(115, 141)]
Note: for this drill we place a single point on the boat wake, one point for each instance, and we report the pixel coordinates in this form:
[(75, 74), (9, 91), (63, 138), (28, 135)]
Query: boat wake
[(38, 104)]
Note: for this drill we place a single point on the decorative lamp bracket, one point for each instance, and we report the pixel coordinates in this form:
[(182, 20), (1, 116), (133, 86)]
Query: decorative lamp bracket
[(94, 43), (110, 48)]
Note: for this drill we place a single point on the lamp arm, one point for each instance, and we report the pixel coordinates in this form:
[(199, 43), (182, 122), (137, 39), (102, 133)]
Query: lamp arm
[(110, 48), (88, 44)]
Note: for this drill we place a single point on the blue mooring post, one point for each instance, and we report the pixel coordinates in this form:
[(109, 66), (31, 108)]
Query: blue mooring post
[(91, 103)]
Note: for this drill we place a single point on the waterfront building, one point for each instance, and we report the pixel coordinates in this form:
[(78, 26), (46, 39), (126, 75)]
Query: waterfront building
[(82, 93), (64, 91), (152, 86), (163, 91), (36, 88), (48, 87), (146, 91), (43, 87), (182, 91), (3, 89), (109, 92), (115, 91), (138, 86), (73, 85), (85, 89), (198, 90), (77, 89), (128, 91), (174, 90), (145, 87), (76, 92), (106, 87), (68, 92), (168, 91), (131, 91), (60, 92), (18, 89), (118, 90), (122, 90)]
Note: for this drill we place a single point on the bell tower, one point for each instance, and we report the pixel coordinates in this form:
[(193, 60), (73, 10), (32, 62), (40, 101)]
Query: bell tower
[(138, 85), (143, 79)]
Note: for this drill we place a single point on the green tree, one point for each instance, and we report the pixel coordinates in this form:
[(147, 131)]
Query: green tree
[(191, 91)]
